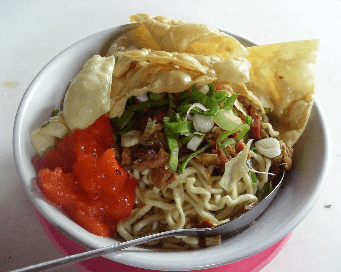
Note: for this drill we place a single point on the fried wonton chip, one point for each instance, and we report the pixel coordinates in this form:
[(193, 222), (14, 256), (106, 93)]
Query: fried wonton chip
[(88, 96), (230, 70), (282, 77), (177, 36), (242, 90), (137, 38), (44, 138)]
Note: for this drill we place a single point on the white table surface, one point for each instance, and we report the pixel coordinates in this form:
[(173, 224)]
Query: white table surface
[(33, 32)]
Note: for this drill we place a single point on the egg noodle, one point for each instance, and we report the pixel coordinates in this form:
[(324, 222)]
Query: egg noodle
[(194, 194)]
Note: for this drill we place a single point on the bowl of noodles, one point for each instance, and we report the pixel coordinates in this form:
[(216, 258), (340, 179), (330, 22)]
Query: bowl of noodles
[(162, 124)]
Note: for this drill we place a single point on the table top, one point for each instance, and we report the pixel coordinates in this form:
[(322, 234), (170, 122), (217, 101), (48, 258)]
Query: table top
[(33, 32)]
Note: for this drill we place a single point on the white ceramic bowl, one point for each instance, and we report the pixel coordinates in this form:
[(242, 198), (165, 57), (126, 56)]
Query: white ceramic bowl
[(302, 186)]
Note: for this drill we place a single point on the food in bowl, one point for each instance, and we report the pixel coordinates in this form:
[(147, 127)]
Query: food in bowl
[(178, 126)]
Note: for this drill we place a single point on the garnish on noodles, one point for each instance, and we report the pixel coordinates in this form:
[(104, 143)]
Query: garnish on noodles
[(179, 126)]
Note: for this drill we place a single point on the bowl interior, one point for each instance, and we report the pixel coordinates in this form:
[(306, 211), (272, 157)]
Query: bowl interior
[(302, 185)]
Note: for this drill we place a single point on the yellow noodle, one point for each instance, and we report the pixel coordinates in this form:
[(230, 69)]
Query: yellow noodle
[(149, 220), (193, 195)]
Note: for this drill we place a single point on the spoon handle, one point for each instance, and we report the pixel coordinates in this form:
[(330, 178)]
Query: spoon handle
[(105, 250)]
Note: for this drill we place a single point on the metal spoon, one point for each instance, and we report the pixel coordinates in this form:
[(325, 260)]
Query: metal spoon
[(232, 227)]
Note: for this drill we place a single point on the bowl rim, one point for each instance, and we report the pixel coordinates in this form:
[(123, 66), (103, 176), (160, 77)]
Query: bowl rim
[(127, 257)]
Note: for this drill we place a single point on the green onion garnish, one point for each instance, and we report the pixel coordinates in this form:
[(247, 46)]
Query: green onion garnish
[(154, 96), (229, 102), (194, 88), (254, 149), (45, 124), (54, 113), (173, 146), (176, 125), (220, 97), (186, 160), (124, 119), (148, 104), (181, 126), (267, 110), (262, 193), (186, 139), (202, 98), (248, 119), (227, 142), (223, 135), (244, 128), (172, 115), (185, 107), (253, 177), (211, 89), (211, 111)]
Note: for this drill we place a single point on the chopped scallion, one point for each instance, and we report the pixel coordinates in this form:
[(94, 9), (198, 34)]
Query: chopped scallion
[(248, 119), (211, 89), (254, 149), (124, 119), (224, 135), (148, 104), (181, 126), (45, 124), (186, 160), (253, 177), (211, 111), (172, 115), (202, 98), (220, 96), (154, 96), (55, 113), (194, 88), (186, 139), (262, 193), (230, 101), (244, 128), (227, 142), (185, 107), (267, 110), (173, 146)]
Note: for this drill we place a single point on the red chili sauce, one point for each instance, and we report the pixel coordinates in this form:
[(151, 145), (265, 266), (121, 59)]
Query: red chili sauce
[(83, 177)]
